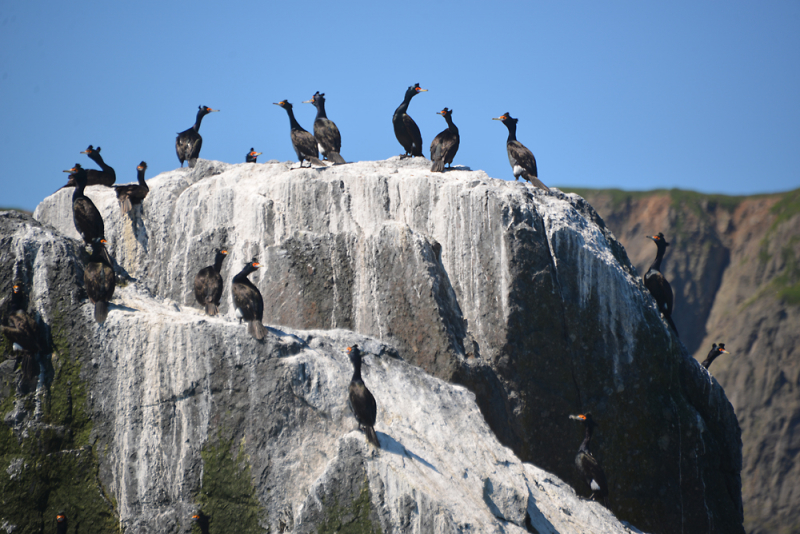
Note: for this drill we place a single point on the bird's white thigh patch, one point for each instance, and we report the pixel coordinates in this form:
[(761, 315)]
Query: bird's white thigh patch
[(518, 171), (17, 346), (321, 150), (238, 313), (594, 485)]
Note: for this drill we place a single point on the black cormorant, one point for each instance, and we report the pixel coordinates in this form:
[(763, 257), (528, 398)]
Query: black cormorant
[(132, 194), (521, 159), (587, 464), (202, 521), (99, 280), (445, 145), (326, 133), (361, 401), (208, 284), (107, 176), (655, 282), (61, 523), (252, 156), (87, 218), (248, 301), (188, 143), (716, 350), (305, 146), (405, 129), (23, 331)]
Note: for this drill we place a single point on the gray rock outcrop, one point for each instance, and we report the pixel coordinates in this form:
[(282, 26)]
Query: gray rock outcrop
[(523, 297)]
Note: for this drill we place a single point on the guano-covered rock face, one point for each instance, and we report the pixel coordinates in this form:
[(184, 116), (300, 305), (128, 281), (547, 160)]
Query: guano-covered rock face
[(522, 298)]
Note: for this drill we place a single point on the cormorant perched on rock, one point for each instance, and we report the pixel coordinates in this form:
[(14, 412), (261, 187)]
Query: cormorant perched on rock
[(99, 280), (87, 218), (712, 355), (23, 332), (658, 286), (587, 464), (61, 523), (325, 131), (208, 284), (405, 129), (132, 194), (252, 156), (361, 401), (445, 145), (188, 143), (521, 159), (202, 521), (305, 146), (248, 301), (107, 176)]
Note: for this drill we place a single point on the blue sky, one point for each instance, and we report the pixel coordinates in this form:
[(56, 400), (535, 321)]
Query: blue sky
[(634, 95)]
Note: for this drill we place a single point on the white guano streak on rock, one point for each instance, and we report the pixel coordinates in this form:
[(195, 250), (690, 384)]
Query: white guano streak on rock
[(599, 277)]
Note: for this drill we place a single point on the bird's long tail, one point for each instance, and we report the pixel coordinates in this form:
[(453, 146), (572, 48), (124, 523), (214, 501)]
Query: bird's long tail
[(211, 309), (256, 329), (315, 161), (336, 158), (672, 325), (438, 165), (125, 205), (535, 181), (100, 311), (372, 437)]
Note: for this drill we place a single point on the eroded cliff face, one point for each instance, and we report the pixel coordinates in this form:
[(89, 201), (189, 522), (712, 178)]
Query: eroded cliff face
[(734, 264), (524, 298)]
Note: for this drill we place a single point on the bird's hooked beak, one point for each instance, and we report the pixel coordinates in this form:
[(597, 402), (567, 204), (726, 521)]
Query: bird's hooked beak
[(309, 101), (87, 151), (254, 153), (421, 90), (578, 417), (211, 110), (500, 118), (73, 169), (279, 103)]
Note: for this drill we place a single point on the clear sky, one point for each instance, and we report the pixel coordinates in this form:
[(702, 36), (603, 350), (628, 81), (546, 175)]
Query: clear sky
[(634, 95)]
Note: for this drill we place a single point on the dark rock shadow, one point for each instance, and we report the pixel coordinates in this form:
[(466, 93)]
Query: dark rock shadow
[(121, 307), (389, 444)]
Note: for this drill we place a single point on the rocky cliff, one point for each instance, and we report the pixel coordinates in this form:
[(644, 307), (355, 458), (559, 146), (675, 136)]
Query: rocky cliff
[(734, 263), (521, 297)]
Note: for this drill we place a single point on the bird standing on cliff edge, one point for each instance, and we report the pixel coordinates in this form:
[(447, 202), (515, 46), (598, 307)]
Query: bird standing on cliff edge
[(188, 143), (658, 286), (208, 284), (325, 131), (248, 301), (85, 215), (130, 195), (361, 401), (252, 156), (521, 159), (445, 145), (305, 146), (405, 129), (587, 464)]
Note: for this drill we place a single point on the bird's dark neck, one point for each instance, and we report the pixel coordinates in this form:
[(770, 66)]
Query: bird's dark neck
[(218, 262), (80, 186), (656, 266), (97, 158), (586, 439), (292, 121), (320, 109), (402, 108), (140, 176), (512, 131), (450, 126), (17, 302), (241, 278), (197, 122), (357, 370)]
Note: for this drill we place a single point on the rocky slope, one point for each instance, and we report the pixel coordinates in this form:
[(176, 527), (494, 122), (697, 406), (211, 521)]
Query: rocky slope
[(523, 297), (734, 263)]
